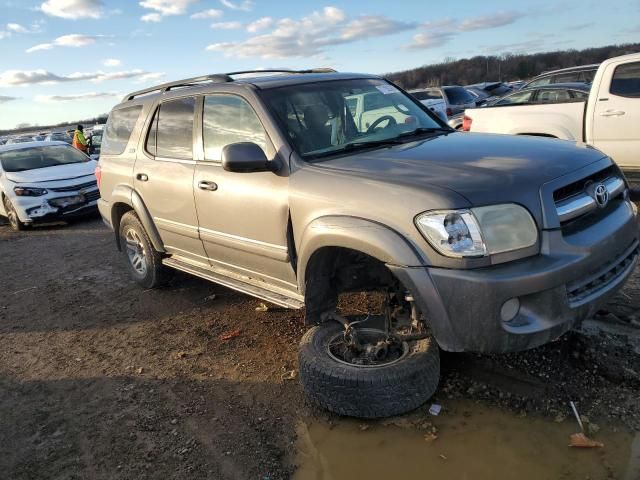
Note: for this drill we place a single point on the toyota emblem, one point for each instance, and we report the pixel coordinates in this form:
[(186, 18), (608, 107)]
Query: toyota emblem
[(601, 195)]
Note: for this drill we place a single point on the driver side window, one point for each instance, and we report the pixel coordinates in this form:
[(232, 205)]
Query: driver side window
[(229, 119)]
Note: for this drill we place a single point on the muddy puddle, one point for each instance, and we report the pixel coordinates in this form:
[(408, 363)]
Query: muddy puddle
[(473, 443)]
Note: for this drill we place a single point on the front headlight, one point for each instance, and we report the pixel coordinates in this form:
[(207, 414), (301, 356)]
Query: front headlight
[(478, 232), (29, 191)]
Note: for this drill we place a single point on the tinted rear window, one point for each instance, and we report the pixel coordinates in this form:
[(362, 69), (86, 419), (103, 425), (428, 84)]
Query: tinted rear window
[(458, 96), (427, 95), (175, 129), (119, 128), (626, 80)]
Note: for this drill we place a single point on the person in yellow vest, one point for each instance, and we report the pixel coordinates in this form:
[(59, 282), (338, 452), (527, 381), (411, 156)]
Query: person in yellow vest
[(79, 141)]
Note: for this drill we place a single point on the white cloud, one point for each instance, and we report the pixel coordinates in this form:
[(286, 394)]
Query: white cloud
[(490, 21), (164, 8), (430, 40), (245, 5), (16, 28), (112, 62), (147, 77), (73, 9), (260, 24), (207, 14), (5, 99), (226, 25), (72, 40), (151, 17), (311, 35), (440, 32), (15, 78), (78, 96)]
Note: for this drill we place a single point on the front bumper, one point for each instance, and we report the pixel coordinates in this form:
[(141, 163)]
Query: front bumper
[(563, 285), (39, 210)]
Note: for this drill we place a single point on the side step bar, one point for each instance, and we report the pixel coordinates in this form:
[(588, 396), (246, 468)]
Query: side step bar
[(278, 297)]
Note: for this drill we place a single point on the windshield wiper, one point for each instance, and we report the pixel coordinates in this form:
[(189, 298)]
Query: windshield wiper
[(420, 130)]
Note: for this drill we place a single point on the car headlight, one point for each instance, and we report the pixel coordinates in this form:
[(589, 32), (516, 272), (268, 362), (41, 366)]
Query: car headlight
[(477, 232), (29, 191)]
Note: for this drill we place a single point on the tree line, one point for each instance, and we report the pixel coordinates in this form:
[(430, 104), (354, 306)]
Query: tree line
[(506, 67)]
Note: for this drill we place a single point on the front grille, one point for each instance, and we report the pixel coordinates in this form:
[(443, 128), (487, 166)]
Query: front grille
[(75, 188), (92, 196), (595, 283), (579, 186), (580, 199)]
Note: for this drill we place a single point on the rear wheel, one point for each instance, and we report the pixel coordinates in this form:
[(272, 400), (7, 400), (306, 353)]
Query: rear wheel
[(144, 261), (12, 216)]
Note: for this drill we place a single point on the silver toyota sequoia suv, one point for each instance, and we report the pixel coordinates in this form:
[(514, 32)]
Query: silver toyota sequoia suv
[(342, 194)]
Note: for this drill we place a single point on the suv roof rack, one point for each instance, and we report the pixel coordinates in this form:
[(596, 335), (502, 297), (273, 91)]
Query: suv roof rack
[(216, 78)]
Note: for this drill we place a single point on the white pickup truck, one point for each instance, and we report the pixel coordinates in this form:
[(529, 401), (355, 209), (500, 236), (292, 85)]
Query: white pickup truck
[(609, 120)]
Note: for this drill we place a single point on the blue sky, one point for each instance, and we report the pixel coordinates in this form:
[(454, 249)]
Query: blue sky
[(69, 59)]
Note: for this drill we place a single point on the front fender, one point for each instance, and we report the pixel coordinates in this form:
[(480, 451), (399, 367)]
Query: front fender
[(366, 236), (125, 195)]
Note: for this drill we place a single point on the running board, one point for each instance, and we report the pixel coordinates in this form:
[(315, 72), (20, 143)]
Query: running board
[(280, 297)]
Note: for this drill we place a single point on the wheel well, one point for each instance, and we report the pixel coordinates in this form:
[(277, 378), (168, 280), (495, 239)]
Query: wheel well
[(117, 211), (335, 270)]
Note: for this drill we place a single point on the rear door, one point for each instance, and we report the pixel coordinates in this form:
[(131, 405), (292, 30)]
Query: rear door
[(616, 115), (163, 176), (243, 217)]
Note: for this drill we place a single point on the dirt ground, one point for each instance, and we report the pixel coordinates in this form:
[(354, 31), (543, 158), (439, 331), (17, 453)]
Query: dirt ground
[(100, 379)]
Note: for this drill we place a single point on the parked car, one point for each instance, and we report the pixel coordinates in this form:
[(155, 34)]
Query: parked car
[(38, 138), (95, 142), (268, 185), (45, 182), (581, 74), (548, 94), (436, 105), (456, 98), (609, 122), (58, 137), (488, 91), (23, 139)]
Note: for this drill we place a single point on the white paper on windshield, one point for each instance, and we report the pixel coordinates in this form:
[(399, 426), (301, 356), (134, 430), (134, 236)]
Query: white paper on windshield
[(386, 89)]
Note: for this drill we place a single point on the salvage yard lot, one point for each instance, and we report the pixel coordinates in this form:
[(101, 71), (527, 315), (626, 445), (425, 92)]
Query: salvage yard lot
[(101, 379)]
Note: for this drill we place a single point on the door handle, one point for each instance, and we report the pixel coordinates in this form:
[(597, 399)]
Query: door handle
[(612, 113), (210, 186), (142, 177)]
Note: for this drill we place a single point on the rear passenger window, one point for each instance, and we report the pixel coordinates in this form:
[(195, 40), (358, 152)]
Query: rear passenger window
[(118, 130), (626, 80), (174, 137), (553, 96), (229, 119)]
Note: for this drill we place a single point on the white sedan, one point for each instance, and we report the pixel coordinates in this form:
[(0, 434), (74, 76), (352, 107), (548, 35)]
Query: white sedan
[(43, 182)]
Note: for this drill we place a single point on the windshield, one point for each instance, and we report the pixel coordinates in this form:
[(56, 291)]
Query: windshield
[(326, 118), (40, 157)]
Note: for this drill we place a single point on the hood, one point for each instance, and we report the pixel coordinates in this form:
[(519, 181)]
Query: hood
[(485, 169), (51, 174)]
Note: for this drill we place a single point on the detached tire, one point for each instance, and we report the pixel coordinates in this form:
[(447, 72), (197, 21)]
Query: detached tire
[(144, 261), (371, 391)]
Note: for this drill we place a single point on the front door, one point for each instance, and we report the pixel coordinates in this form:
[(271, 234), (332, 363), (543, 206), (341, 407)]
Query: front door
[(617, 115), (163, 176), (243, 217)]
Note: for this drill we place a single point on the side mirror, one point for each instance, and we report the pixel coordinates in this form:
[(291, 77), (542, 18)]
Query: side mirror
[(245, 157)]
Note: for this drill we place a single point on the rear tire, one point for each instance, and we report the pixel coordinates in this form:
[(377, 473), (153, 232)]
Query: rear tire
[(12, 216), (143, 261), (366, 392)]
